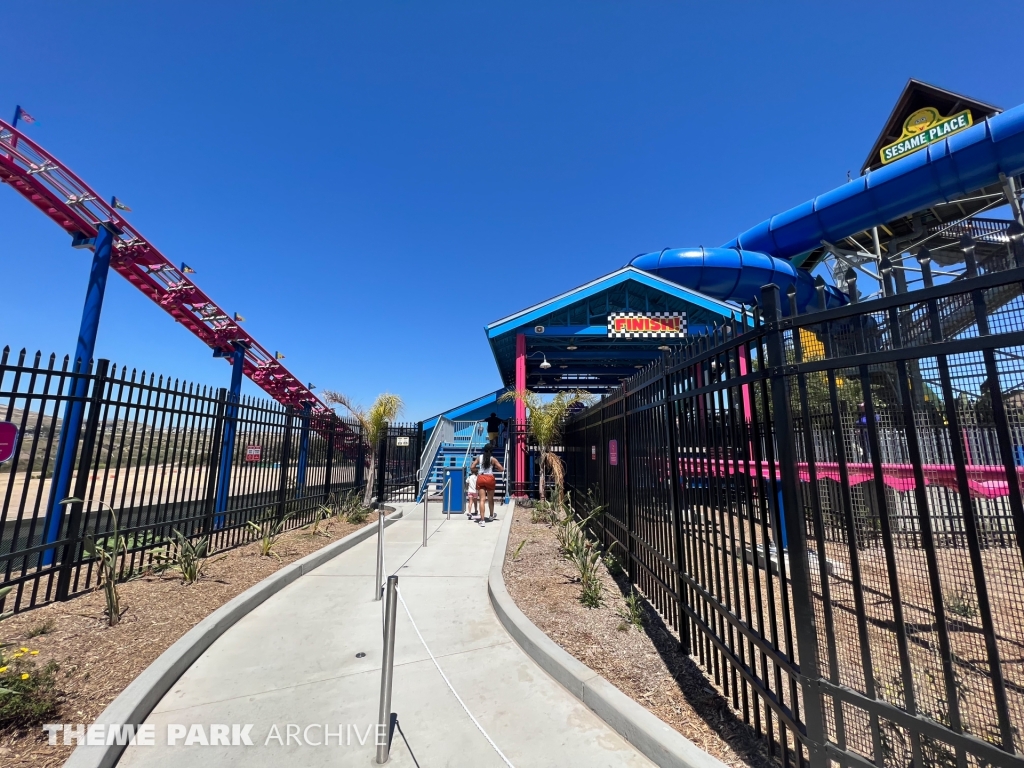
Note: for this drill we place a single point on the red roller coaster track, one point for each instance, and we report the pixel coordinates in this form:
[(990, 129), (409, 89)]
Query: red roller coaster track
[(52, 187)]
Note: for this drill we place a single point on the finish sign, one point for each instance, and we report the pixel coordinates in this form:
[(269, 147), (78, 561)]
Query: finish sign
[(646, 325), (8, 441), (253, 452), (922, 128)]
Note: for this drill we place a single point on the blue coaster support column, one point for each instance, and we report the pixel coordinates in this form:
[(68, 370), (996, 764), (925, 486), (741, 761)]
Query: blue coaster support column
[(227, 446), (300, 482), (74, 411)]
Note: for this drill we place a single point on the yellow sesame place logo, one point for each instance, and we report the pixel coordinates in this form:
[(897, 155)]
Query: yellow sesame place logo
[(922, 128), (921, 120)]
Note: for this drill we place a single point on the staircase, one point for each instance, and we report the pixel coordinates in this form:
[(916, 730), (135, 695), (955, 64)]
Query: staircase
[(457, 445)]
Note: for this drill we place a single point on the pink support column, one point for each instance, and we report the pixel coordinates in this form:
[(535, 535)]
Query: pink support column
[(748, 406), (520, 478)]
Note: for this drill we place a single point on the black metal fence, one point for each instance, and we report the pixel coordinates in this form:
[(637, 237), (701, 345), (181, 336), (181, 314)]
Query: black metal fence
[(529, 486), (519, 435), (150, 451), (396, 474), (850, 577)]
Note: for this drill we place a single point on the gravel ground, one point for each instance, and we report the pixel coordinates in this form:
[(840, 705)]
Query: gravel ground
[(97, 662), (645, 665)]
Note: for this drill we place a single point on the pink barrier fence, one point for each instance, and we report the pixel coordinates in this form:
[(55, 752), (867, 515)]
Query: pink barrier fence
[(986, 481)]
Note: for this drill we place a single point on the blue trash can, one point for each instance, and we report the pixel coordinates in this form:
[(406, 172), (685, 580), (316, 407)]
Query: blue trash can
[(454, 489)]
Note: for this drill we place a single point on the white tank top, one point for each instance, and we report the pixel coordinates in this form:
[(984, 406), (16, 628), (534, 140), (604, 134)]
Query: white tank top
[(486, 470)]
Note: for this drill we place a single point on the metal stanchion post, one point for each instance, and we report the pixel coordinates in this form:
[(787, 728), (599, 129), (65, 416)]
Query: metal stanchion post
[(380, 552), (425, 519), (387, 673)]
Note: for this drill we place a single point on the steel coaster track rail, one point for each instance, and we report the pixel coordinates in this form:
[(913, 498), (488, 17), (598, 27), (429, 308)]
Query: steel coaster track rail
[(67, 200)]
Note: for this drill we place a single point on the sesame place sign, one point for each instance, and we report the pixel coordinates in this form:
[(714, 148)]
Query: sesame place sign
[(923, 128), (650, 325)]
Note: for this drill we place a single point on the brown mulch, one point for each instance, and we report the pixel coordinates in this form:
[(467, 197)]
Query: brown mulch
[(645, 665), (97, 662)]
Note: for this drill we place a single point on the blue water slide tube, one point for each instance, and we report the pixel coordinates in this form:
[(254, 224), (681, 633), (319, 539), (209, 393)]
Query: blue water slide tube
[(729, 274), (950, 168)]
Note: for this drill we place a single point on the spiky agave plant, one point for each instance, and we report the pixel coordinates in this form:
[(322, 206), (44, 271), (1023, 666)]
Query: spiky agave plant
[(4, 593), (269, 530), (190, 556), (374, 421), (108, 552), (546, 422)]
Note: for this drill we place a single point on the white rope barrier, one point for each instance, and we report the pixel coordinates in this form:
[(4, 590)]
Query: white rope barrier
[(430, 653), (448, 683)]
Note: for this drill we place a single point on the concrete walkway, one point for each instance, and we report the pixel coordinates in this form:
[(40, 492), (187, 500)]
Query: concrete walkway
[(297, 660)]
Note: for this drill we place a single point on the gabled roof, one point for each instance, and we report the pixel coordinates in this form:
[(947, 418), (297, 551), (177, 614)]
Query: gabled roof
[(569, 332), (917, 95), (468, 410), (525, 317)]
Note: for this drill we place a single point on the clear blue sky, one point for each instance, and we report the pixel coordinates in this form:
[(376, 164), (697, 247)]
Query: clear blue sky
[(371, 183)]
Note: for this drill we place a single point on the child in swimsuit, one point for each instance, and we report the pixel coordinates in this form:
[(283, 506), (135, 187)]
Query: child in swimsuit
[(472, 498)]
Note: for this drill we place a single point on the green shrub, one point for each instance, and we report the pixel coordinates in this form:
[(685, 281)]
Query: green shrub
[(357, 515), (961, 604), (585, 557), (612, 563), (190, 557), (321, 514), (7, 614), (4, 593), (351, 509), (515, 555), (42, 629), (107, 551), (269, 530), (590, 595), (28, 695), (544, 512), (144, 540), (633, 612)]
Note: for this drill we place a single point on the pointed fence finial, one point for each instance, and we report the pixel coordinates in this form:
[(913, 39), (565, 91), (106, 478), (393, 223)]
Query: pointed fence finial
[(1016, 234), (885, 267), (819, 288), (791, 299), (924, 258), (970, 261), (851, 285)]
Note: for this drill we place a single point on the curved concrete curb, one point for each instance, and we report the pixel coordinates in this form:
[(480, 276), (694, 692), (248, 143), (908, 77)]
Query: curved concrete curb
[(136, 701), (661, 743)]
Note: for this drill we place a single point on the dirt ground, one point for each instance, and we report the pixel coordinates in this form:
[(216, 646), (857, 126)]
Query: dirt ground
[(645, 665), (97, 662)]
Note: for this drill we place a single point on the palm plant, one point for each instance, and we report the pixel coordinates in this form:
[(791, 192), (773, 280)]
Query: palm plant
[(374, 421), (546, 422)]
